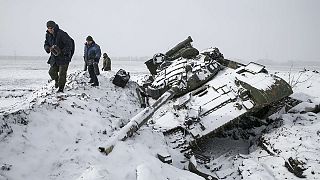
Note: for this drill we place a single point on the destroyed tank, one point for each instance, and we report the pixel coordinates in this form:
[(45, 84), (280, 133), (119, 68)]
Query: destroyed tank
[(211, 91), (207, 92)]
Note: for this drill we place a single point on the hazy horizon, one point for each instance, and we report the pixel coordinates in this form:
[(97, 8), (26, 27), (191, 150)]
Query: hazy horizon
[(306, 63), (249, 29)]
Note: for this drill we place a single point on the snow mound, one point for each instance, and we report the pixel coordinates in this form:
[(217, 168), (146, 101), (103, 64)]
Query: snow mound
[(56, 136), (80, 101)]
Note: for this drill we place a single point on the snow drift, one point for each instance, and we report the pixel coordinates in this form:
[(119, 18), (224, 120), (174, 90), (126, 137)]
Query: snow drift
[(56, 136)]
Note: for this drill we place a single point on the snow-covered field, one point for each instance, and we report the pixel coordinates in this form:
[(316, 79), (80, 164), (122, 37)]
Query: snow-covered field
[(45, 135), (19, 77)]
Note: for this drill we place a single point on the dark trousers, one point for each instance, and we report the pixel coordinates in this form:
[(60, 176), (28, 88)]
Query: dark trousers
[(96, 68), (59, 74), (93, 76), (85, 67)]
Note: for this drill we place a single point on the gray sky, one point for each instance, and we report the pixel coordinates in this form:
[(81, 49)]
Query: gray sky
[(244, 29)]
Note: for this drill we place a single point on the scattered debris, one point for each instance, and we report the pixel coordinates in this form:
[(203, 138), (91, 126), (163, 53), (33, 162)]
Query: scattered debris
[(193, 168), (296, 167), (165, 157), (6, 167)]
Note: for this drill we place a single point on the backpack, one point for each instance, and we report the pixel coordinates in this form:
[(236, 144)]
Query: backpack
[(121, 78)]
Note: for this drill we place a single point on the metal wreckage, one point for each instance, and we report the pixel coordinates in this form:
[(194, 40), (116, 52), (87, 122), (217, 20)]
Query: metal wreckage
[(209, 93)]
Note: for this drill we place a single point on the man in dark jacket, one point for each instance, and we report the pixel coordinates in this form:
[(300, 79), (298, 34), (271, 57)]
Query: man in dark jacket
[(92, 54), (61, 47)]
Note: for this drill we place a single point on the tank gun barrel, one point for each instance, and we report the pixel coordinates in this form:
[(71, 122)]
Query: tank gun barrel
[(138, 120), (179, 46)]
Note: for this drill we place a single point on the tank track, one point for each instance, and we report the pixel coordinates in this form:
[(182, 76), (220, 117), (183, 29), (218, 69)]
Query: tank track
[(177, 139)]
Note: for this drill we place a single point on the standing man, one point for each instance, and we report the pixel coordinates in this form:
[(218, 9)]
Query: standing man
[(92, 54), (61, 46), (106, 62)]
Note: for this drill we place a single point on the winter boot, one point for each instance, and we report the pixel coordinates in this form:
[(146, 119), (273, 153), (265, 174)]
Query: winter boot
[(95, 84), (60, 90)]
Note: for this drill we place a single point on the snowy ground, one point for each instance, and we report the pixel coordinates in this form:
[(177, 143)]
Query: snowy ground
[(19, 77), (49, 136)]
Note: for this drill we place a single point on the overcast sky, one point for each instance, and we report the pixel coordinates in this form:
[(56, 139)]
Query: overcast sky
[(244, 29)]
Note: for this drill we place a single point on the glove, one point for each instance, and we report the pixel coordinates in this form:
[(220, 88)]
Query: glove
[(55, 50), (90, 61)]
